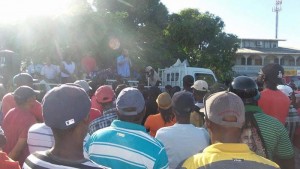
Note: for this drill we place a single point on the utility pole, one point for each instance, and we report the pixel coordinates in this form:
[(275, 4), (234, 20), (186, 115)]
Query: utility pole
[(277, 9)]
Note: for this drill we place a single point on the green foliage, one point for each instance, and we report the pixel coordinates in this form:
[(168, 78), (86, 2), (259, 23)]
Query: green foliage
[(199, 37), (142, 26)]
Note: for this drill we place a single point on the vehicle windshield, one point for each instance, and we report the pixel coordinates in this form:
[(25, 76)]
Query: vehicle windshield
[(206, 77)]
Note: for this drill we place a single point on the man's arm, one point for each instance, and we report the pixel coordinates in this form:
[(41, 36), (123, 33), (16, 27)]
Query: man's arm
[(18, 148)]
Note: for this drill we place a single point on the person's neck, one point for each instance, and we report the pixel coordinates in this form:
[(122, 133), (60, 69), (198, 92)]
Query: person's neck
[(24, 107), (225, 138), (68, 149), (183, 120)]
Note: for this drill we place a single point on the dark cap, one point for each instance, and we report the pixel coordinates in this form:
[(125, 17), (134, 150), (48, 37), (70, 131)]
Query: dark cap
[(183, 102), (22, 93), (22, 79), (130, 102), (188, 80), (273, 72), (65, 106)]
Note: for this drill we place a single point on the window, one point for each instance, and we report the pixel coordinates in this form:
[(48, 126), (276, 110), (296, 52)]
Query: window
[(206, 77), (243, 61)]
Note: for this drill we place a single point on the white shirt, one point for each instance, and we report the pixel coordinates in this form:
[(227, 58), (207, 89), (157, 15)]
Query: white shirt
[(182, 141), (50, 71), (40, 138), (69, 67)]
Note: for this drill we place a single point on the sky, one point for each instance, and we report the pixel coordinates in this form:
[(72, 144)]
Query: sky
[(250, 18)]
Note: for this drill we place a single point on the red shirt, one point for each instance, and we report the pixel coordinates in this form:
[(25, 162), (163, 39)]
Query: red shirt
[(96, 105), (155, 122), (94, 113), (88, 63), (8, 102), (16, 124), (7, 163), (275, 104)]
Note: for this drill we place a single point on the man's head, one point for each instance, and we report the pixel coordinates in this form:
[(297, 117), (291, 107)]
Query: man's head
[(23, 79), (66, 108), (2, 138), (224, 116), (188, 81), (200, 88), (183, 104), (25, 96), (131, 105), (246, 89), (271, 75), (105, 95), (85, 85), (164, 101)]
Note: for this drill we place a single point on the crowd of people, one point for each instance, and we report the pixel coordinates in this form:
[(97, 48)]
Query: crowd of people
[(79, 125)]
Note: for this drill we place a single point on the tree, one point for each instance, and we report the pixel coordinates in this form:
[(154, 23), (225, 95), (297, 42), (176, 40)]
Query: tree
[(199, 38)]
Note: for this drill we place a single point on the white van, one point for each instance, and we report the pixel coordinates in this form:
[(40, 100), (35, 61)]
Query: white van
[(173, 75)]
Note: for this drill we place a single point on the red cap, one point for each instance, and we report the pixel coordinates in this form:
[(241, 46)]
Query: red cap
[(104, 94)]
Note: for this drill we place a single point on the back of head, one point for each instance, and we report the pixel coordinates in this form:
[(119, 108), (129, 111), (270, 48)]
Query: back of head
[(23, 79), (154, 91), (23, 93), (183, 103), (130, 105), (272, 75), (164, 103), (224, 104), (188, 81), (245, 88), (65, 106), (105, 94), (84, 84)]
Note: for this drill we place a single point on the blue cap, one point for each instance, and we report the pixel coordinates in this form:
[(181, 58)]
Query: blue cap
[(22, 93), (23, 79), (65, 106), (183, 102), (130, 102)]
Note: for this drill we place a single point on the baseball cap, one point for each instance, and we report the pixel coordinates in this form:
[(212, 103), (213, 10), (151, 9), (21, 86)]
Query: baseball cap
[(130, 102), (83, 84), (183, 102), (22, 93), (200, 85), (105, 94), (65, 106), (287, 90), (23, 79), (164, 101), (224, 104)]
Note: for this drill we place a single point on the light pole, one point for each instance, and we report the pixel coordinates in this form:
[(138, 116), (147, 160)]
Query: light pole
[(277, 8)]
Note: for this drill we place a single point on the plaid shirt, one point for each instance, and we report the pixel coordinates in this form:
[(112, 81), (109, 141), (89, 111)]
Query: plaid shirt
[(292, 122), (104, 121)]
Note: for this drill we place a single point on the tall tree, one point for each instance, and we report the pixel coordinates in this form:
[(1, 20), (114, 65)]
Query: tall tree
[(199, 37)]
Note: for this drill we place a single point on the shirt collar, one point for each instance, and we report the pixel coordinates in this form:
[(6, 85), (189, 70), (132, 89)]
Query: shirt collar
[(228, 147), (128, 125), (253, 108)]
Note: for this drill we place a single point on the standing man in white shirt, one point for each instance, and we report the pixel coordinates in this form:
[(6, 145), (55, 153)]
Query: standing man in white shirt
[(68, 70), (183, 139), (50, 71)]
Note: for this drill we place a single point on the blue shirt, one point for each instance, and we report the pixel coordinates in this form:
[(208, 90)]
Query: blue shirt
[(126, 145), (123, 66)]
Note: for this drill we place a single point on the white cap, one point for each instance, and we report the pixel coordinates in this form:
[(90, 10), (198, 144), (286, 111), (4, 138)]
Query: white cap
[(287, 90), (200, 85), (148, 68), (86, 87)]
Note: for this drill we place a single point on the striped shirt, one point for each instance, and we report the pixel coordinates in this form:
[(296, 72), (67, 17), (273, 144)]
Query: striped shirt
[(274, 134), (44, 160), (40, 138), (126, 145), (103, 121), (292, 122)]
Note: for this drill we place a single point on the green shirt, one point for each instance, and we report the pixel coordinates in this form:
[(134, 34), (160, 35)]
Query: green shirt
[(274, 134)]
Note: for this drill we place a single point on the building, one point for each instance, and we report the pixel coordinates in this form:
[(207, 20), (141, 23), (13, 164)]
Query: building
[(253, 54)]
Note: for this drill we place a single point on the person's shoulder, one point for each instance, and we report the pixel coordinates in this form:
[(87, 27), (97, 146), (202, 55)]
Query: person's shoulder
[(162, 131), (39, 127), (194, 161), (8, 96), (264, 162)]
